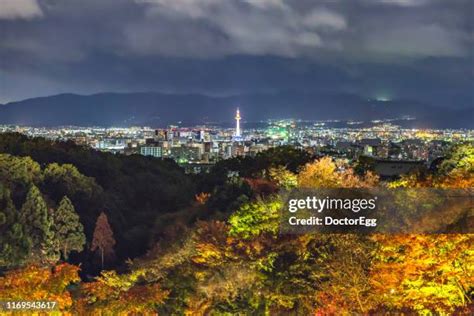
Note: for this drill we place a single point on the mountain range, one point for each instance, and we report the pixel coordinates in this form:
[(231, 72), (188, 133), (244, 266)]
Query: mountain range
[(161, 109)]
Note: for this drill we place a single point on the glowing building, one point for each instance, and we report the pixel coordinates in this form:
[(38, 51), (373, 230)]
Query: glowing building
[(237, 124), (238, 134)]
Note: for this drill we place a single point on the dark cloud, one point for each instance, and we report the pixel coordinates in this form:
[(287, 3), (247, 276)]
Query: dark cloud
[(408, 48)]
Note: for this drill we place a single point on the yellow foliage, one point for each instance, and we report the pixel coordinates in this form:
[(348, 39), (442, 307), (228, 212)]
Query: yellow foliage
[(120, 295), (324, 173), (428, 273), (34, 283), (283, 177)]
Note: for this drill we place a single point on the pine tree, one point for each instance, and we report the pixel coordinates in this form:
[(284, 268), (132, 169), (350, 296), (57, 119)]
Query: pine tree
[(68, 230), (103, 238), (37, 223), (15, 245)]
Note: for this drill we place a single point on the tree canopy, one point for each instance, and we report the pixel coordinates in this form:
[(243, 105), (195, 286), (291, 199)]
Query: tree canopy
[(218, 249)]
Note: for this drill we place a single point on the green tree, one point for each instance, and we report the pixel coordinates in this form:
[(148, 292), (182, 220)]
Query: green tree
[(459, 158), (283, 177), (457, 170), (14, 243), (36, 220), (68, 180), (255, 218), (68, 230), (19, 170)]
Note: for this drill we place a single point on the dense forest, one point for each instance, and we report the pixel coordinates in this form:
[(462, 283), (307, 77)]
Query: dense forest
[(98, 232)]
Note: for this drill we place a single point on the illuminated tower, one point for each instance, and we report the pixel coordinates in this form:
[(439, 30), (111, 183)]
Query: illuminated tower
[(237, 124)]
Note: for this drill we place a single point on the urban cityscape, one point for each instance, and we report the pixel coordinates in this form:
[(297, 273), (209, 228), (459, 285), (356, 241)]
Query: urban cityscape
[(198, 148), (237, 157)]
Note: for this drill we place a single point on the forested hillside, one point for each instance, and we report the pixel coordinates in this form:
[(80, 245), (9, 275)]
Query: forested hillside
[(213, 243), (133, 191)]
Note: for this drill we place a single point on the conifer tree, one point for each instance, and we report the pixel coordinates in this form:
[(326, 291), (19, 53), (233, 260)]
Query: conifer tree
[(15, 245), (103, 239), (68, 230), (37, 223)]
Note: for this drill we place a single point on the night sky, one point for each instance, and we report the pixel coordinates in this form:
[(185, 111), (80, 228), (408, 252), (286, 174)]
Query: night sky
[(383, 49)]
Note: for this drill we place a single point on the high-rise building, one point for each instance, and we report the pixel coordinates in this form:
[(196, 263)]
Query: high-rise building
[(237, 123), (237, 135)]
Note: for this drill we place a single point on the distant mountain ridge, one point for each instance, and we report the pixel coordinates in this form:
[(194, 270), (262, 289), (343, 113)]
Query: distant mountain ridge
[(160, 109)]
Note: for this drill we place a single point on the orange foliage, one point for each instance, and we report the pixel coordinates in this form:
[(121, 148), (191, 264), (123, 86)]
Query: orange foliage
[(331, 305), (457, 179), (424, 272), (120, 295), (34, 283), (210, 243), (202, 198)]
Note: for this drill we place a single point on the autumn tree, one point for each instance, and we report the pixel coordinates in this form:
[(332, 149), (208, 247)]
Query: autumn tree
[(457, 170), (170, 262), (202, 198), (103, 238), (321, 173), (283, 177), (325, 173), (125, 294), (459, 158), (37, 223), (37, 283), (431, 274), (345, 261), (68, 230)]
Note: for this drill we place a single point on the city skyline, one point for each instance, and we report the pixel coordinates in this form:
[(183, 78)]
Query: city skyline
[(237, 157), (198, 148)]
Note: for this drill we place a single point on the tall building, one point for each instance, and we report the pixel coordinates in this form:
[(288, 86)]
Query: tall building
[(237, 124), (238, 134)]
